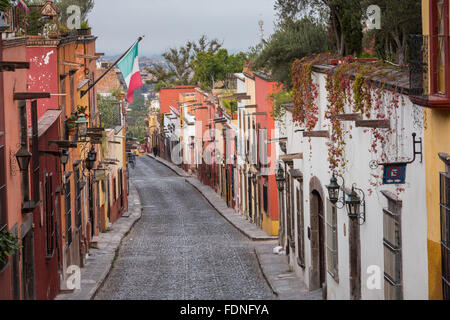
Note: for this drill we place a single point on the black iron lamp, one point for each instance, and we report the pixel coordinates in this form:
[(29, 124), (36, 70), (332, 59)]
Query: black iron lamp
[(23, 157), (333, 191), (280, 178), (356, 207), (91, 158)]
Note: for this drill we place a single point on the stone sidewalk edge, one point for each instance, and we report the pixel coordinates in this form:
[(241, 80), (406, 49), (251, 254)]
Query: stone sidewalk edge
[(268, 238), (263, 271)]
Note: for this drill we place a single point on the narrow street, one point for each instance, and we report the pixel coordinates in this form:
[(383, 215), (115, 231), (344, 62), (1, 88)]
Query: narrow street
[(181, 248)]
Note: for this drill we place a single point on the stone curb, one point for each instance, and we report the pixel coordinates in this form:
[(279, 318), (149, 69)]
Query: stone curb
[(264, 273), (182, 173), (135, 208)]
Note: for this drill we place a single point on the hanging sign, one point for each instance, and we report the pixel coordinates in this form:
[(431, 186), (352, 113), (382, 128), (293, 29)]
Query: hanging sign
[(394, 173)]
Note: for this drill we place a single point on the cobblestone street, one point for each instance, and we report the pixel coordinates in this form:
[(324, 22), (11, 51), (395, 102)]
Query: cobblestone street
[(181, 248)]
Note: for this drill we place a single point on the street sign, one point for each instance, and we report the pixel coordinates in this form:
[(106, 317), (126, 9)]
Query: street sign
[(394, 173)]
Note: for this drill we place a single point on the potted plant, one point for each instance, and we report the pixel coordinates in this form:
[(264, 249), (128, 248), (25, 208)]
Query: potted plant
[(85, 29), (9, 245), (71, 125)]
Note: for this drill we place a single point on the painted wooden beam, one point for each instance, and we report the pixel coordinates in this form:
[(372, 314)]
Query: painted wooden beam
[(71, 64), (347, 117), (290, 157), (13, 65), (383, 124), (31, 95), (317, 134), (86, 56)]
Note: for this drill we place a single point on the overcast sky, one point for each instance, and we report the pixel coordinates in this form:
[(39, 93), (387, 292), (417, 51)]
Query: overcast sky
[(169, 23)]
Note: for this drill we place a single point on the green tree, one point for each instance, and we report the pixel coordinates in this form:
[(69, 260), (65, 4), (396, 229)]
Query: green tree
[(292, 40), (399, 19), (178, 60), (211, 67), (342, 16)]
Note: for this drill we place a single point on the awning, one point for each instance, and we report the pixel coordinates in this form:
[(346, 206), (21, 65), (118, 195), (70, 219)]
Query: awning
[(46, 121)]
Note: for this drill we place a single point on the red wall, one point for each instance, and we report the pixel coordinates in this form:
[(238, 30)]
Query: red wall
[(170, 96), (43, 76), (46, 269)]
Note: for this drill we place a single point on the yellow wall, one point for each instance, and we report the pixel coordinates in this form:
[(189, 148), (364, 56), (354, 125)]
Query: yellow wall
[(437, 139), (437, 122)]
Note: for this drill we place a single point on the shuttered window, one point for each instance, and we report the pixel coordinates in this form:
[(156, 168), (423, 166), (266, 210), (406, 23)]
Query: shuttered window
[(332, 240), (445, 232)]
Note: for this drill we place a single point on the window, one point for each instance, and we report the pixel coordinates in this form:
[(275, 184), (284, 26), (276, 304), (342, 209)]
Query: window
[(265, 199), (77, 196), (392, 251), (332, 241), (49, 215), (300, 230), (114, 189), (68, 214), (439, 45), (121, 187), (441, 38), (445, 232), (72, 93)]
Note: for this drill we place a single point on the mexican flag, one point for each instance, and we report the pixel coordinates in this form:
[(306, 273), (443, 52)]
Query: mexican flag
[(129, 66)]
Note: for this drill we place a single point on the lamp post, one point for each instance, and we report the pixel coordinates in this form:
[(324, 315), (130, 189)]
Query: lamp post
[(280, 177)]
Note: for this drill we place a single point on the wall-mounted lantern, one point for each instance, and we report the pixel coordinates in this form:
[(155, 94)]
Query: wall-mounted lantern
[(23, 157), (91, 158), (356, 207), (280, 178), (333, 191), (82, 124)]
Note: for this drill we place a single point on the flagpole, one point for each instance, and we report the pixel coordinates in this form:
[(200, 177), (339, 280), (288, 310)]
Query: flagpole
[(83, 93)]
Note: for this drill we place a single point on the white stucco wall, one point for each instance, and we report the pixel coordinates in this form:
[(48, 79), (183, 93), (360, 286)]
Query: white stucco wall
[(407, 119)]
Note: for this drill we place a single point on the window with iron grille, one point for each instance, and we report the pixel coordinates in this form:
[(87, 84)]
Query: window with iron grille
[(68, 213), (49, 215), (332, 241), (445, 232), (392, 251), (77, 196)]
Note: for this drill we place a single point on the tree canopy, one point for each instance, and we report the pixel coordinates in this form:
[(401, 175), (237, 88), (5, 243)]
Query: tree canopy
[(292, 40)]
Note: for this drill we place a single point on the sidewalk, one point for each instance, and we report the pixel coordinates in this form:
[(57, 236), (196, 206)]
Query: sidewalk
[(275, 268), (283, 281), (236, 219), (100, 261)]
